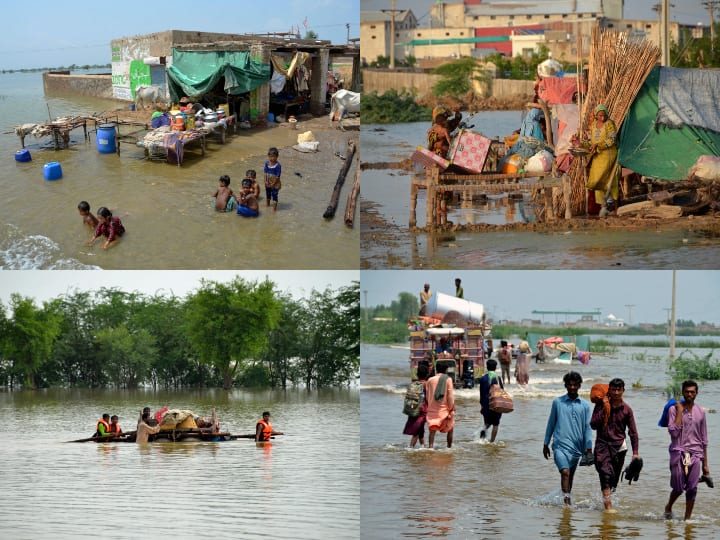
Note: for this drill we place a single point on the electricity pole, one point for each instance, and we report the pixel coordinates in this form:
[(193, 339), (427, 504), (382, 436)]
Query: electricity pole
[(392, 11), (664, 30), (672, 321), (366, 308), (711, 5)]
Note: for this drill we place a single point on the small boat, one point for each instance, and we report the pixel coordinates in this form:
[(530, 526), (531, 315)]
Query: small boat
[(174, 435)]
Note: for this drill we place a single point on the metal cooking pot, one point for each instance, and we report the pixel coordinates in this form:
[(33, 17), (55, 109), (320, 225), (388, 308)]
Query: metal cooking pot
[(212, 117)]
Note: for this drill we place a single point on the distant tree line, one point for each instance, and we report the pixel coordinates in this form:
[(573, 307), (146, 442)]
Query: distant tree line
[(71, 67), (223, 334)]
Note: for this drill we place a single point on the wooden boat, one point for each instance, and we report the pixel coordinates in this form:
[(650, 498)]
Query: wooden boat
[(175, 435)]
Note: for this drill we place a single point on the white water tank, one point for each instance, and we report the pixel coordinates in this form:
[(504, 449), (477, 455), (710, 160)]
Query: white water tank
[(440, 304)]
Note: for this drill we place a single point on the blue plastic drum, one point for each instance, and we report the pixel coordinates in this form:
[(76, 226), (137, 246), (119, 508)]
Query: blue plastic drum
[(270, 117), (23, 155), (106, 139), (52, 171)]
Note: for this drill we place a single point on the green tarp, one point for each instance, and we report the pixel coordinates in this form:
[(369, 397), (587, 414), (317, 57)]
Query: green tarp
[(194, 73), (656, 150)]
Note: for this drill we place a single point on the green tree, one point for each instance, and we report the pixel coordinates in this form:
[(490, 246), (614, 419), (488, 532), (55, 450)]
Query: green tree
[(406, 306), (29, 336), (227, 324), (127, 356), (331, 351), (457, 77), (284, 342), (311, 34)]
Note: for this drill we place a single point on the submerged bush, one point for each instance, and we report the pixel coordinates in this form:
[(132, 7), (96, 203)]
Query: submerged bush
[(697, 368), (392, 108)]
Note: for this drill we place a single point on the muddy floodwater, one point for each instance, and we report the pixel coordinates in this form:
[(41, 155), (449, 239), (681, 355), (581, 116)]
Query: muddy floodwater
[(506, 489), (167, 210), (500, 233)]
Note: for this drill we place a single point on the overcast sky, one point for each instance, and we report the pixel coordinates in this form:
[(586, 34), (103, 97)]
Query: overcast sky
[(48, 33), (47, 284), (515, 294), (684, 11)]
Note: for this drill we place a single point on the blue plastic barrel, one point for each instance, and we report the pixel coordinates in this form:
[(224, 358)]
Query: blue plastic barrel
[(23, 155), (52, 171), (270, 117), (106, 139)]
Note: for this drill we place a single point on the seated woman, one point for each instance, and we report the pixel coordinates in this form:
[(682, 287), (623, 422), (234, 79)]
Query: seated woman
[(438, 137)]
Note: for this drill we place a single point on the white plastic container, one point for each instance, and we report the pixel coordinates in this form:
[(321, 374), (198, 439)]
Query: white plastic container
[(440, 304)]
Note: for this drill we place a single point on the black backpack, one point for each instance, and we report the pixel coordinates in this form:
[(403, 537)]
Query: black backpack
[(414, 398)]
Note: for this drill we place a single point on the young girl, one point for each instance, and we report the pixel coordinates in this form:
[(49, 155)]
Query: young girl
[(272, 172), (109, 226)]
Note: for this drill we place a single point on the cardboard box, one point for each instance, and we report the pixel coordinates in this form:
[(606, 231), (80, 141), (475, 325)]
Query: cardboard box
[(426, 158), (469, 151)]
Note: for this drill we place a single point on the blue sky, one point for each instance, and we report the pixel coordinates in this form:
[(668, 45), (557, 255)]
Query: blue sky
[(515, 294), (44, 285), (48, 33), (685, 11)]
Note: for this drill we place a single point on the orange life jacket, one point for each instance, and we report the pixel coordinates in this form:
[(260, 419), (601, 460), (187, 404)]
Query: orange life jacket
[(103, 422), (115, 428), (266, 430)]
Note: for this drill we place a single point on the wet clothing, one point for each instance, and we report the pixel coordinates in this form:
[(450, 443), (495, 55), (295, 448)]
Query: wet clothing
[(569, 428), (115, 428), (441, 404), (102, 428), (415, 425), (491, 418), (688, 444), (144, 431), (112, 229), (522, 368), (267, 430), (610, 446)]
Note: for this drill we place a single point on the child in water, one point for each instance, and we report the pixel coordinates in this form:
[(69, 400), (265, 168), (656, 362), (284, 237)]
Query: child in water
[(247, 203), (88, 218), (272, 171), (108, 226), (251, 175), (224, 197)]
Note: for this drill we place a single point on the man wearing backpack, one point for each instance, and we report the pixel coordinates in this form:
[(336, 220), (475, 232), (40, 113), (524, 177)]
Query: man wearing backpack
[(505, 358), (415, 407), (490, 417)]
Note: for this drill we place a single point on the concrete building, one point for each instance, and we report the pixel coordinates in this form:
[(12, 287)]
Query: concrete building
[(512, 27)]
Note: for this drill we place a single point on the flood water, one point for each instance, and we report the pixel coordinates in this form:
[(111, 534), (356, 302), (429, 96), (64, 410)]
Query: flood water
[(390, 190), (305, 484), (167, 211), (507, 489)]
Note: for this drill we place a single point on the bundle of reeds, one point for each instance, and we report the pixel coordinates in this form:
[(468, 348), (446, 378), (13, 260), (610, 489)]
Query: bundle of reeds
[(617, 69)]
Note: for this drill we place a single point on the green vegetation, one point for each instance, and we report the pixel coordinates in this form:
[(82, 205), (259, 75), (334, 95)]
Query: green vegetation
[(223, 334), (457, 77), (691, 366), (392, 107), (71, 67)]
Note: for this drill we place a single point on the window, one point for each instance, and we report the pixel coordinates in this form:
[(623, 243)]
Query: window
[(447, 34), (564, 16), (546, 17), (462, 33), (629, 26), (492, 17), (648, 26), (372, 37), (418, 34), (511, 17), (372, 27), (610, 25), (528, 17)]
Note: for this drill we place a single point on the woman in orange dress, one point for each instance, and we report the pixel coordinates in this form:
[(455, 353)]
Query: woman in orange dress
[(440, 414)]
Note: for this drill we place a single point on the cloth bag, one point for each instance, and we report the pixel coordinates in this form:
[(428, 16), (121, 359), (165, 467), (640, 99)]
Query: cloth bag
[(500, 400)]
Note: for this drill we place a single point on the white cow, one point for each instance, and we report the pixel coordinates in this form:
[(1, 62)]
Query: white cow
[(341, 102), (147, 93)]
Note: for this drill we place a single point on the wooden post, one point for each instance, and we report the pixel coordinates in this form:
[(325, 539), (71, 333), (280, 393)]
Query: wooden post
[(352, 199), (330, 211), (432, 179), (566, 195), (413, 201)]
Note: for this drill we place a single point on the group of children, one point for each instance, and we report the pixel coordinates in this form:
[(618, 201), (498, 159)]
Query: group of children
[(105, 224), (246, 202)]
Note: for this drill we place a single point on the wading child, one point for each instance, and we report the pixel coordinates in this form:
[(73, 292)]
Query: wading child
[(250, 174), (247, 203), (108, 226), (272, 172), (88, 218), (224, 197)]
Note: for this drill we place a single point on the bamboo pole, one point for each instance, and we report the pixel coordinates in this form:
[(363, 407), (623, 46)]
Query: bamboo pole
[(330, 211), (352, 199)]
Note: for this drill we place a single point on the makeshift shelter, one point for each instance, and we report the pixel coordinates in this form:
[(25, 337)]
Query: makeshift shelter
[(194, 73), (669, 125)]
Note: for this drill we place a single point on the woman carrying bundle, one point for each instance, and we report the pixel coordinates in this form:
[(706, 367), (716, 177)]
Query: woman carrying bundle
[(604, 168)]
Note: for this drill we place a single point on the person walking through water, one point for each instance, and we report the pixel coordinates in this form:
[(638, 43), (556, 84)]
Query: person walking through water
[(569, 428), (490, 417), (441, 405), (459, 293), (425, 296), (505, 357), (611, 418), (415, 425), (688, 449), (522, 364)]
